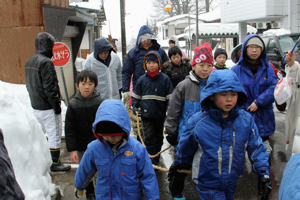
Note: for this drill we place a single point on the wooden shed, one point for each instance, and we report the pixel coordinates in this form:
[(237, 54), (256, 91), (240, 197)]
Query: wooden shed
[(22, 20)]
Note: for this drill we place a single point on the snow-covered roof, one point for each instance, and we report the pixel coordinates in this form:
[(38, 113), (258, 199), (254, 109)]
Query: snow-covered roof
[(218, 29), (177, 17), (207, 17), (276, 32), (210, 16), (91, 5)]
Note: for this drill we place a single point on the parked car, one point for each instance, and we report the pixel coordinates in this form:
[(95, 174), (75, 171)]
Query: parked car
[(278, 45)]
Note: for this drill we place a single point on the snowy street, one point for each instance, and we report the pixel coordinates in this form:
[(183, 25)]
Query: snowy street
[(27, 146), (246, 186)]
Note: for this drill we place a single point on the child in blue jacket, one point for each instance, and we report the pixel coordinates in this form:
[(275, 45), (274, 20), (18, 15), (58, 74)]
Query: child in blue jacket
[(151, 94), (215, 140), (124, 167), (259, 81)]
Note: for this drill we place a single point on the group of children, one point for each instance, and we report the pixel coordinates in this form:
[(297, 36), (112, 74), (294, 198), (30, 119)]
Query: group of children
[(207, 121)]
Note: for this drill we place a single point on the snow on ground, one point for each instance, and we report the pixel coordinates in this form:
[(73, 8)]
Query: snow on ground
[(25, 142)]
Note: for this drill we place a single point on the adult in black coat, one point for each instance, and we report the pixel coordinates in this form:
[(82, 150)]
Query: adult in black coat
[(43, 89)]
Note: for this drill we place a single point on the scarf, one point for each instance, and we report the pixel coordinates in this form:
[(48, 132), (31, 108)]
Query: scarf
[(154, 73)]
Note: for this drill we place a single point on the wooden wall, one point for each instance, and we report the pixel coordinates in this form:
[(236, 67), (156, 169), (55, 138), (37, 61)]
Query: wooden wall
[(20, 22)]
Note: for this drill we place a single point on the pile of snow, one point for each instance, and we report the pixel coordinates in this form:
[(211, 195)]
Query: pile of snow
[(276, 32), (25, 142)]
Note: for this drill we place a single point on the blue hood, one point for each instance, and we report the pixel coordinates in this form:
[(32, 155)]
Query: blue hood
[(221, 81), (101, 45), (113, 110), (143, 30), (263, 57), (158, 57)]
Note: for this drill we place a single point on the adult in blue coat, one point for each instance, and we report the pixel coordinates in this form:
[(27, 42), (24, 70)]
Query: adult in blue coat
[(133, 63), (124, 167), (259, 81)]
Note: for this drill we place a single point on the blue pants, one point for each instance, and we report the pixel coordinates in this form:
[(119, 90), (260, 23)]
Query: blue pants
[(214, 194)]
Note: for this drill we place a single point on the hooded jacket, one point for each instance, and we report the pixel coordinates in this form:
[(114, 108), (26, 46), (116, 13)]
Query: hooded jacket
[(109, 73), (123, 175), (133, 63), (259, 89), (216, 146), (184, 102), (152, 94), (41, 79), (79, 119)]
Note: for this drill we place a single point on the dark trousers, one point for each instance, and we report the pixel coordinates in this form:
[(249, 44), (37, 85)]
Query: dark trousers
[(153, 135)]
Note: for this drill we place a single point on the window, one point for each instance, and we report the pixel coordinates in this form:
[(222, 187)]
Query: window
[(179, 31), (271, 46)]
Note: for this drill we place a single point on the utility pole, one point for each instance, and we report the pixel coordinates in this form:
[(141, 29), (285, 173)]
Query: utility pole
[(197, 42), (123, 31)]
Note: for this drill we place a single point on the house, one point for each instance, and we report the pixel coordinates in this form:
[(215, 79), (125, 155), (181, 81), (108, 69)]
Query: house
[(264, 14), (22, 20), (94, 27)]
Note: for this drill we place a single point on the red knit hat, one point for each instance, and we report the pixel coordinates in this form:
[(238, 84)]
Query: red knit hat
[(203, 54)]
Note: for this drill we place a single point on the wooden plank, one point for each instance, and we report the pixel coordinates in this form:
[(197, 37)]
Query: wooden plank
[(17, 46), (7, 13)]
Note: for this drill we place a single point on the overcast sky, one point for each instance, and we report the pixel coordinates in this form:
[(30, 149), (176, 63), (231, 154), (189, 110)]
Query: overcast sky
[(137, 12)]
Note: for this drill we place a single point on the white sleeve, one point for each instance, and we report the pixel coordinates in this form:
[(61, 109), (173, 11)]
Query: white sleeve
[(88, 62), (292, 73)]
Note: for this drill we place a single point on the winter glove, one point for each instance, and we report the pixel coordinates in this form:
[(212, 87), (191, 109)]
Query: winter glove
[(172, 138), (57, 109), (264, 186), (120, 93), (136, 110), (176, 181), (78, 193), (133, 122), (126, 99)]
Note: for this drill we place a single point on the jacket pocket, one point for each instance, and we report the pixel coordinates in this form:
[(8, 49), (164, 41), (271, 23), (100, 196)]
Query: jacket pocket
[(103, 193), (129, 167), (102, 167), (132, 192)]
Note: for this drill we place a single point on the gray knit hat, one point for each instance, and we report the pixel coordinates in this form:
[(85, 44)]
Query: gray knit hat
[(255, 41)]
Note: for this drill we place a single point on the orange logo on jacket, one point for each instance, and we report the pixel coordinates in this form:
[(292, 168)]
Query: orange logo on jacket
[(128, 153)]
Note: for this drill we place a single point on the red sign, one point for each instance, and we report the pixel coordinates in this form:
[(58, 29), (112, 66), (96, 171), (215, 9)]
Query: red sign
[(61, 54)]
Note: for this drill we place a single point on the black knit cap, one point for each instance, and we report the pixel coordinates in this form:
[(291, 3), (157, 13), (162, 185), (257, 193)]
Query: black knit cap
[(220, 51), (108, 127)]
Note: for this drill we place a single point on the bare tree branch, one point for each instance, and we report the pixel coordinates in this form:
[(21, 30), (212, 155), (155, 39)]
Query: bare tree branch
[(179, 7)]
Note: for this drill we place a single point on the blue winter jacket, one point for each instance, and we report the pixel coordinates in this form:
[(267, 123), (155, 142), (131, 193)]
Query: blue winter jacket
[(290, 185), (216, 146), (123, 175), (259, 89), (133, 63), (152, 94)]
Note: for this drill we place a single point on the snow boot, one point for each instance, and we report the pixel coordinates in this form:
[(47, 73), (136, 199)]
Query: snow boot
[(57, 165)]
